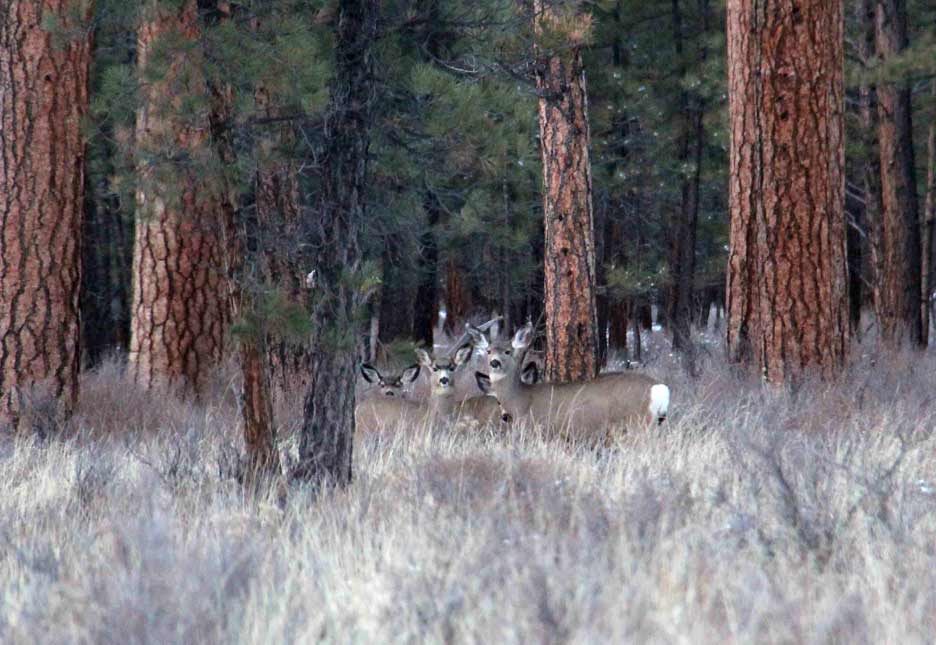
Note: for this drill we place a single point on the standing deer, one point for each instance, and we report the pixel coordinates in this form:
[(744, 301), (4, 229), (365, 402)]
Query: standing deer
[(611, 400)]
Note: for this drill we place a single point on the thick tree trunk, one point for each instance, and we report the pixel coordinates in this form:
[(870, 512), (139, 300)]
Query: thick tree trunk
[(571, 316), (43, 99), (899, 286), (181, 300), (325, 446), (787, 278)]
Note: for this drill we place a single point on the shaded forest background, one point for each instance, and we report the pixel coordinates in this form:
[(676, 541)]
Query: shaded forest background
[(312, 184), (454, 192)]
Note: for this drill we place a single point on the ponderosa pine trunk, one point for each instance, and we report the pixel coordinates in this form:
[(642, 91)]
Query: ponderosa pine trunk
[(569, 255), (181, 300), (326, 440), (787, 277), (899, 287), (43, 99)]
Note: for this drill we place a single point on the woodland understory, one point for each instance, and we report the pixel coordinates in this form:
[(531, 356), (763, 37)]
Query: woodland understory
[(753, 515)]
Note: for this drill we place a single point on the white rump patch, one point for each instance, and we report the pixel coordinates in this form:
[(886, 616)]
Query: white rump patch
[(659, 401)]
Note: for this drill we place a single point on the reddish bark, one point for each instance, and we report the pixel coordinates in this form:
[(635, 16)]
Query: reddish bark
[(786, 286), (43, 99), (571, 315), (181, 301), (899, 278)]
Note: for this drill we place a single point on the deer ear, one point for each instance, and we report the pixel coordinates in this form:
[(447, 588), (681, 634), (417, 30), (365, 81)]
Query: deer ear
[(463, 355), (523, 337), (530, 374), (477, 337), (495, 329), (484, 382), (423, 357), (370, 373), (411, 373)]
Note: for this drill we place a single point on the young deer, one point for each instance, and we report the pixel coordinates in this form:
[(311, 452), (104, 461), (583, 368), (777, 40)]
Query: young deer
[(377, 413), (390, 385), (616, 399)]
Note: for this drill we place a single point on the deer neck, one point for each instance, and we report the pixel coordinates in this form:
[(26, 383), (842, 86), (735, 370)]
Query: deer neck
[(510, 391), (442, 405)]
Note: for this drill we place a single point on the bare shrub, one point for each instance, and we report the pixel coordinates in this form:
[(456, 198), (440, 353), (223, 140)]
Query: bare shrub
[(752, 515)]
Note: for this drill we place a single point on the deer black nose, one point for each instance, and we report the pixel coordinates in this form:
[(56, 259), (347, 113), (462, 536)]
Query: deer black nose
[(496, 364), (444, 380), (506, 418), (389, 393)]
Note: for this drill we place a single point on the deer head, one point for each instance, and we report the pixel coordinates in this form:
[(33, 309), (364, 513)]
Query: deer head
[(392, 384)]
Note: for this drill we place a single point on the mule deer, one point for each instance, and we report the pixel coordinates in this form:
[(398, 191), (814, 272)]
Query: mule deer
[(377, 413), (393, 384), (610, 400)]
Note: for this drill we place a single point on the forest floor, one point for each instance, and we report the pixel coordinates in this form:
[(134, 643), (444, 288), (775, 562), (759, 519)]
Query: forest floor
[(751, 516)]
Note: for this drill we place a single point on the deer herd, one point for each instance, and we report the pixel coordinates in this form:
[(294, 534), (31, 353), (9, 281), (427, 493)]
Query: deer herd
[(506, 388)]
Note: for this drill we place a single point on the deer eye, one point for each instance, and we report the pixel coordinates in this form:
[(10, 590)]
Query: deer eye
[(507, 351)]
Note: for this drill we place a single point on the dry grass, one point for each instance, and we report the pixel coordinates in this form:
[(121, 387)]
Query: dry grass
[(753, 516)]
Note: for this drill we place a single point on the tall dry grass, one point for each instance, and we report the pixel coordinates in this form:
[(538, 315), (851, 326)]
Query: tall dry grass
[(752, 516)]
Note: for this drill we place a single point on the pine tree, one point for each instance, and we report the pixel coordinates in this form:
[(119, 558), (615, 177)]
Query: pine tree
[(900, 271), (181, 299), (45, 55), (571, 316), (325, 447), (787, 303)]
